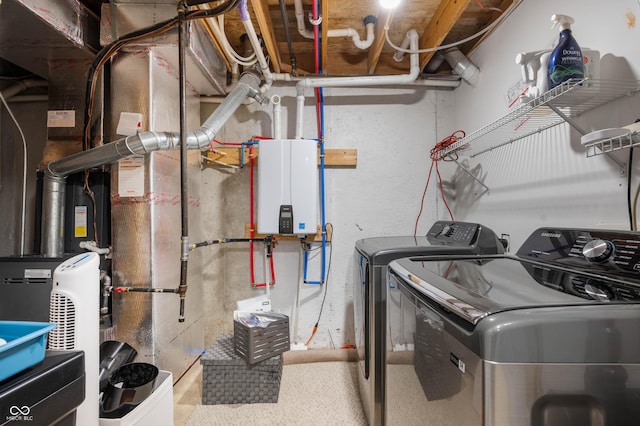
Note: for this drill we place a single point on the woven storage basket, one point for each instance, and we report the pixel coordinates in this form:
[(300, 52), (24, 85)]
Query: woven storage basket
[(228, 379), (255, 344)]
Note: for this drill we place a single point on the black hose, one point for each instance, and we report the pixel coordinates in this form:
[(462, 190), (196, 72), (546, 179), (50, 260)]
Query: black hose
[(209, 13), (192, 3), (227, 240), (287, 33), (183, 43)]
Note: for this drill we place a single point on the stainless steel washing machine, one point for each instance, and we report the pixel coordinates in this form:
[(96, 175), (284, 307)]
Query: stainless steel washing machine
[(372, 256), (548, 337)]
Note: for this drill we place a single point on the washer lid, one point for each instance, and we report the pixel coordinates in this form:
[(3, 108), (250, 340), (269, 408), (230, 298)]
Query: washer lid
[(476, 287)]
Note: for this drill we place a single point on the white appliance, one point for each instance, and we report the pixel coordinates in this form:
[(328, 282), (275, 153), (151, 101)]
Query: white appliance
[(288, 187), (75, 309)]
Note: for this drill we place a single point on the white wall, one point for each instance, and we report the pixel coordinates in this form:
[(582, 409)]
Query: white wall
[(392, 130), (546, 180)]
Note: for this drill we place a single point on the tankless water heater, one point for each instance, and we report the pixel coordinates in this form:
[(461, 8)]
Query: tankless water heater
[(288, 187)]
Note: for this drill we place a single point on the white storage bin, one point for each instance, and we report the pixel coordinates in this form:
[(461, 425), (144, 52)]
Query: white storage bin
[(156, 410)]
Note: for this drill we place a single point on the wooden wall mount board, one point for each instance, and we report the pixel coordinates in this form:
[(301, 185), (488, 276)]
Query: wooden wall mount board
[(340, 157), (317, 237)]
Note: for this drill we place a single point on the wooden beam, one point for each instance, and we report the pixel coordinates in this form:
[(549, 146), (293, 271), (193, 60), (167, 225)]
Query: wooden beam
[(233, 157), (317, 237), (443, 20), (384, 18), (506, 7), (261, 11)]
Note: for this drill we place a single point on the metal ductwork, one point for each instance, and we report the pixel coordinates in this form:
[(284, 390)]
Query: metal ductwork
[(121, 17), (40, 35), (145, 227), (139, 144), (56, 40)]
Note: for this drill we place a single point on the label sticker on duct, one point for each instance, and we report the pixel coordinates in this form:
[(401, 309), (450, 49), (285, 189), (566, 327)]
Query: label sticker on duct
[(457, 362), (131, 177), (129, 123), (80, 221), (63, 118)]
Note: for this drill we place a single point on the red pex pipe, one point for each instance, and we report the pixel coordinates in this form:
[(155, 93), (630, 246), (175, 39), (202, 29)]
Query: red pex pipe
[(252, 230)]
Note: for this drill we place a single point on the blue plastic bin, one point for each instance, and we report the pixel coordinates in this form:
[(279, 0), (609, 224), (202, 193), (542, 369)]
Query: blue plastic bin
[(25, 347)]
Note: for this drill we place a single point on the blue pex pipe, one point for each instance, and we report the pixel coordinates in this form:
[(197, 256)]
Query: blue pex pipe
[(320, 97), (322, 205), (242, 151)]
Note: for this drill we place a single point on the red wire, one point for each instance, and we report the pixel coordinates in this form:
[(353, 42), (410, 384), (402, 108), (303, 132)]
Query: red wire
[(444, 143), (415, 229), (224, 143), (434, 154), (442, 192)]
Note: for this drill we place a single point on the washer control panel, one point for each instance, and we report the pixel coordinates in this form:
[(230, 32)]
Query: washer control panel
[(594, 250), (465, 234)]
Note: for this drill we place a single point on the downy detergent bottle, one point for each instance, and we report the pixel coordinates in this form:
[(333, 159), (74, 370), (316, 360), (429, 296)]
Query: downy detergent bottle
[(565, 61)]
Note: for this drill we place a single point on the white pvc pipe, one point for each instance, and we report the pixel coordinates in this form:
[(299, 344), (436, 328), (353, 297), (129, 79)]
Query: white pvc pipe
[(399, 55), (253, 38), (302, 28), (376, 80), (277, 120), (355, 36), (92, 246), (370, 80), (232, 55), (347, 32), (299, 114)]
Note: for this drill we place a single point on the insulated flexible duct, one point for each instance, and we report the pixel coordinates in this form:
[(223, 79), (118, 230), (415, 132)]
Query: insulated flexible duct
[(142, 143)]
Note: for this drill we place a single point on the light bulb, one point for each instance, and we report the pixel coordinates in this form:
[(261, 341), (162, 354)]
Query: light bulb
[(389, 4)]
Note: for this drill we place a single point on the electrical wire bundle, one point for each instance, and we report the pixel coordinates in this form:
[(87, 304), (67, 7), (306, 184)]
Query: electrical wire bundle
[(436, 157)]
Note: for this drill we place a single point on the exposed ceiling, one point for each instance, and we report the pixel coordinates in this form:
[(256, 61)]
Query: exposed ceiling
[(437, 22)]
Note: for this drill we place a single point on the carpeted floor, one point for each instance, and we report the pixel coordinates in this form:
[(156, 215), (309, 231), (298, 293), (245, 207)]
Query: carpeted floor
[(317, 393)]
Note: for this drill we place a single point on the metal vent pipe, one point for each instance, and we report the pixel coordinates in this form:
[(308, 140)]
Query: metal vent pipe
[(142, 143)]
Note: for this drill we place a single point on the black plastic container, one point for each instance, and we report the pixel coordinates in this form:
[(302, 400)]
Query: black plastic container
[(128, 386), (113, 355)]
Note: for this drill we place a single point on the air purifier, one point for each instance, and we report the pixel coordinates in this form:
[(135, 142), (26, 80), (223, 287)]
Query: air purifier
[(75, 309)]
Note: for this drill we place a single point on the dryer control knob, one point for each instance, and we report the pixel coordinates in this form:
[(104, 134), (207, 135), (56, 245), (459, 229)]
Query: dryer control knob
[(598, 250)]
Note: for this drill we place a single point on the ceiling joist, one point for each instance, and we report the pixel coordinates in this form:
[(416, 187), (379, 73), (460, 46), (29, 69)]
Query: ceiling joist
[(442, 22)]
